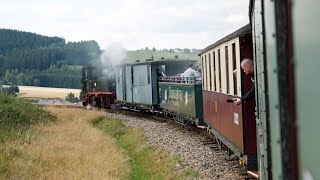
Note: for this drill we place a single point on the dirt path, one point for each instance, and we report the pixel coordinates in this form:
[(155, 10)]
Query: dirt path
[(69, 149)]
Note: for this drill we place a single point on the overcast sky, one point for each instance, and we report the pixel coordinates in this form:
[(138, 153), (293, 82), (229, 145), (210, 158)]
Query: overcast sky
[(135, 24)]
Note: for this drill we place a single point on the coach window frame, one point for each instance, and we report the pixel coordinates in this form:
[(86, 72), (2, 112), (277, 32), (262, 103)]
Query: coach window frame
[(203, 73), (210, 71)]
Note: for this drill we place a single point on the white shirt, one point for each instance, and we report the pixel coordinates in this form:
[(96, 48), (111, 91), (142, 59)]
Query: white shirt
[(190, 72)]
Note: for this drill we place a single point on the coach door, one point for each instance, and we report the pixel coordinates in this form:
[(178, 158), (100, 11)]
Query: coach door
[(128, 79), (261, 105)]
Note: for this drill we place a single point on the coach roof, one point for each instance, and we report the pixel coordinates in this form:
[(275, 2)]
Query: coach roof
[(160, 61), (238, 33)]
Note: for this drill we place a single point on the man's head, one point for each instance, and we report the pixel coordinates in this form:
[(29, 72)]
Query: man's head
[(191, 65), (247, 66)]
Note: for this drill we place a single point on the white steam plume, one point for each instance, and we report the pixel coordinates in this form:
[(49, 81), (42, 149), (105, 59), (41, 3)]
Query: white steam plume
[(112, 56)]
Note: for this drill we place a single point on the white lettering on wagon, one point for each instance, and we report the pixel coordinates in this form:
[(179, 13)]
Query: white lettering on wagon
[(175, 94), (165, 95), (236, 118), (186, 98)]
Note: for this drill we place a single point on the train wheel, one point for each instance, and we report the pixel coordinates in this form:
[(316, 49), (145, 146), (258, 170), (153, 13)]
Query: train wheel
[(85, 103)]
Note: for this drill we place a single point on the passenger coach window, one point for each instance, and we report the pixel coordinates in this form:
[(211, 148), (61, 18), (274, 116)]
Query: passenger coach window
[(148, 72), (120, 74), (234, 67), (163, 69), (227, 69), (209, 79), (203, 74), (219, 67), (206, 67), (214, 72)]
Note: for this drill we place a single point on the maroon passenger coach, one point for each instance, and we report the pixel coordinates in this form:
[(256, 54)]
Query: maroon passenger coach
[(233, 126)]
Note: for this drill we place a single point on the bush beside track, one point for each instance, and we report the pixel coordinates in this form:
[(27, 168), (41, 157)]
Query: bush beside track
[(17, 115)]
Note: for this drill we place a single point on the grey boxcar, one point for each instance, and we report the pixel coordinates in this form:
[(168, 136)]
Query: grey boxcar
[(137, 84)]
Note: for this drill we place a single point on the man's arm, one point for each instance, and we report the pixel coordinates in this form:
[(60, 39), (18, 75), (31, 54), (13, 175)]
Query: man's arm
[(249, 94), (196, 73)]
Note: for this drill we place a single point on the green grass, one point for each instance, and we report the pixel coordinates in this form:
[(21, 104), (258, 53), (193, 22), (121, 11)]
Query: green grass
[(146, 162), (32, 100), (142, 55), (190, 173)]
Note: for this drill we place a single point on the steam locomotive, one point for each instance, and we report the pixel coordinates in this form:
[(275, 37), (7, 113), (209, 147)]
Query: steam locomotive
[(98, 90)]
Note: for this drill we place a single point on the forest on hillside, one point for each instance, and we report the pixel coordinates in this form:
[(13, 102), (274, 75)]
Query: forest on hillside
[(36, 60)]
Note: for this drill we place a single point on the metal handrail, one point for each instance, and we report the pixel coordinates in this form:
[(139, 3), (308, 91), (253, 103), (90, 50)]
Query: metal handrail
[(182, 80)]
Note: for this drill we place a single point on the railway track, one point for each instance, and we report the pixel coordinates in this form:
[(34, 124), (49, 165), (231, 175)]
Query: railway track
[(60, 106)]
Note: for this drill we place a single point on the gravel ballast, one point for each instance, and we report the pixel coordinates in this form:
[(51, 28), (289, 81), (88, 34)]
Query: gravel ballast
[(187, 144)]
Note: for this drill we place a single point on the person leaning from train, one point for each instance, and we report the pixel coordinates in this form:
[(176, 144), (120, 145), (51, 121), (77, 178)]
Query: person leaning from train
[(248, 68)]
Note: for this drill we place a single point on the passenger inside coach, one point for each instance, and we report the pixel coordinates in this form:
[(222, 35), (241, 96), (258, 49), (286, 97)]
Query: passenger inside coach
[(248, 68), (190, 74), (161, 73)]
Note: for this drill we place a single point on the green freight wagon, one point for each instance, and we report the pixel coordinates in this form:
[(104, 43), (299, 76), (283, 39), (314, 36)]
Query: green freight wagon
[(181, 99)]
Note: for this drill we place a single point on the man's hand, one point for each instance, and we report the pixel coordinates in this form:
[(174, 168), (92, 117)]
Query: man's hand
[(237, 101), (235, 72)]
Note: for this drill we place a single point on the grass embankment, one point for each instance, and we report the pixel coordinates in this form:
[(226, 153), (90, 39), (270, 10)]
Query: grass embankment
[(17, 116), (146, 162), (69, 148)]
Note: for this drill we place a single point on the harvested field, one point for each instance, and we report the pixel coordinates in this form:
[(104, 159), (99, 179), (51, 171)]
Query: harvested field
[(46, 92)]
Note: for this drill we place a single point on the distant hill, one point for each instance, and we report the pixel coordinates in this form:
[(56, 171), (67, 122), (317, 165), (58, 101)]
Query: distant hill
[(148, 54)]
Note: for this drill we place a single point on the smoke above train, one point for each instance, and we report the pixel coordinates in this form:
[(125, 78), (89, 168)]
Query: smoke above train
[(112, 56)]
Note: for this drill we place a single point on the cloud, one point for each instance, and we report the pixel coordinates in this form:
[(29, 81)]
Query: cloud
[(134, 24)]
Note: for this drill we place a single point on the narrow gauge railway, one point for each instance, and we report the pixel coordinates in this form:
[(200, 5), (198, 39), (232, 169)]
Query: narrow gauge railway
[(158, 87), (143, 88), (274, 133)]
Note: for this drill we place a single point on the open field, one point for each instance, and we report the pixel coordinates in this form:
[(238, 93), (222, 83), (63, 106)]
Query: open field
[(46, 92)]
